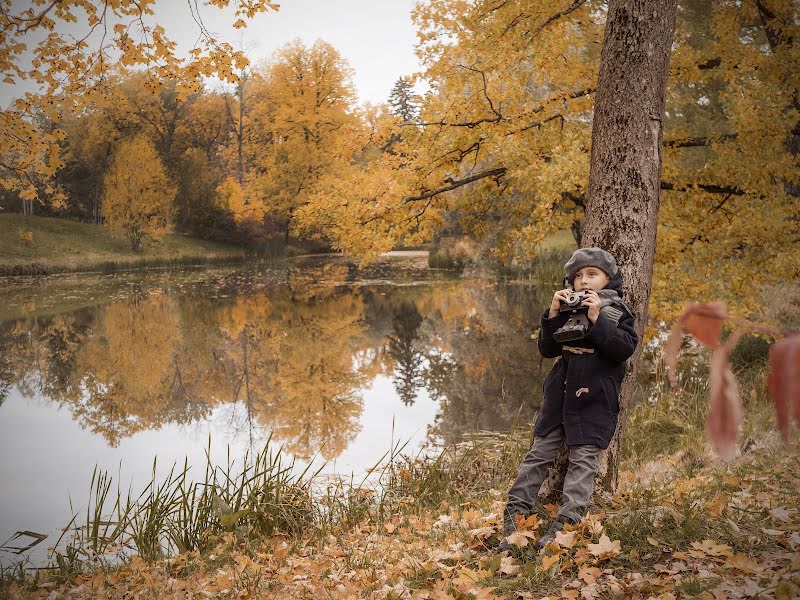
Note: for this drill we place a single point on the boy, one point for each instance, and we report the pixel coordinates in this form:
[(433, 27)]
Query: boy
[(581, 391)]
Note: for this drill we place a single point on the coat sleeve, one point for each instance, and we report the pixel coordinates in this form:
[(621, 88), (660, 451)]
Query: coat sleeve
[(548, 347), (617, 342)]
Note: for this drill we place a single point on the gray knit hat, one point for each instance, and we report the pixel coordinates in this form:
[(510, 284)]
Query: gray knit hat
[(590, 257)]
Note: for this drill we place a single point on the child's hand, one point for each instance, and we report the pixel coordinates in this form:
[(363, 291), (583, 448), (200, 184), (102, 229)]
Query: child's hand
[(593, 302), (559, 297)]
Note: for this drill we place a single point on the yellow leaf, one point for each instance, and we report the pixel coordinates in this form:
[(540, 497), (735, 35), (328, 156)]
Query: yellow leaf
[(605, 548), (549, 560)]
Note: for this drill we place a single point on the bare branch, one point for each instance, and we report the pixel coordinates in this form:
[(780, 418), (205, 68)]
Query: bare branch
[(692, 142), (453, 184)]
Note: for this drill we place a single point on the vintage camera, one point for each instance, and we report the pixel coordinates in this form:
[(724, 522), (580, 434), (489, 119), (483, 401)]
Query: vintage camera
[(578, 323)]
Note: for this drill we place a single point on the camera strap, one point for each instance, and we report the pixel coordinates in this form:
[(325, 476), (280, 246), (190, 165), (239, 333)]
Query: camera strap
[(578, 349)]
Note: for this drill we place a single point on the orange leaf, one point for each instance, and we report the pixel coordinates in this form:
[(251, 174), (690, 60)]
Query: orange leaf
[(724, 409), (703, 321), (784, 381), (549, 561)]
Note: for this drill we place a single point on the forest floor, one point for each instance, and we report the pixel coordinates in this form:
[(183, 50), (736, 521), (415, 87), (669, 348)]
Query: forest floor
[(681, 526), (43, 245)]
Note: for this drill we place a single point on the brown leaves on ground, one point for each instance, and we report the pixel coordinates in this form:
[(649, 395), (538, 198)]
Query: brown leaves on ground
[(704, 322), (746, 516)]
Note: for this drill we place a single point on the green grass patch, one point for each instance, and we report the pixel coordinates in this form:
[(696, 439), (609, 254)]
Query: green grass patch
[(31, 245)]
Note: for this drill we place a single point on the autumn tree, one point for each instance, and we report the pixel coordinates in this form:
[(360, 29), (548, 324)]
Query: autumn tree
[(138, 195), (625, 173), (106, 37), (502, 145), (308, 108)]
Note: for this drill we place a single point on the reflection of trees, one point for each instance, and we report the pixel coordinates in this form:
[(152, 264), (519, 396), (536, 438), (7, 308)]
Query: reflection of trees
[(127, 375), (487, 372), (408, 372), (293, 353), (301, 377)]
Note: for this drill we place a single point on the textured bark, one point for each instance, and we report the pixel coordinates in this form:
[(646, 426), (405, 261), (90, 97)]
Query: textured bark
[(625, 168)]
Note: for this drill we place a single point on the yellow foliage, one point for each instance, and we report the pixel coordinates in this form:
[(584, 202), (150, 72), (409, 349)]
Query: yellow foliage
[(138, 195), (67, 67), (231, 194), (502, 145)]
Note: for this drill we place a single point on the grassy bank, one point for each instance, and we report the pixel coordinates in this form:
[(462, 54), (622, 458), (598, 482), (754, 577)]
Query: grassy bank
[(681, 525), (31, 245)]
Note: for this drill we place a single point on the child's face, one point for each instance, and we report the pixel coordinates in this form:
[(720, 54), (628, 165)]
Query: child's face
[(589, 278)]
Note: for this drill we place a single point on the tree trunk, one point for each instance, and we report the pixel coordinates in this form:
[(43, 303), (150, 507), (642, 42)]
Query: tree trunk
[(625, 169)]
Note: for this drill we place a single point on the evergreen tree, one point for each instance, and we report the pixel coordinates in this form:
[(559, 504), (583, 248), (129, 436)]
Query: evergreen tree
[(402, 102)]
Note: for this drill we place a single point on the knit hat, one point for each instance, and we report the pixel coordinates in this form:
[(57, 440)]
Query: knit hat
[(590, 257)]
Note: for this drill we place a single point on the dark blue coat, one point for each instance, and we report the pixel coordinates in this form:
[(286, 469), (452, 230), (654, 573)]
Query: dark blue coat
[(582, 390)]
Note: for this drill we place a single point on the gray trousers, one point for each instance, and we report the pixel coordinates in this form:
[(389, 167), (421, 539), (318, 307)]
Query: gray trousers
[(578, 484)]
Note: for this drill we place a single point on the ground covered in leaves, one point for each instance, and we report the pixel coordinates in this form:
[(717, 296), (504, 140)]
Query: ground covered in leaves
[(678, 528)]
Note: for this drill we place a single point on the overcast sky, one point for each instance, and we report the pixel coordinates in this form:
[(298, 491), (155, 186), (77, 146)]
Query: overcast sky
[(375, 36)]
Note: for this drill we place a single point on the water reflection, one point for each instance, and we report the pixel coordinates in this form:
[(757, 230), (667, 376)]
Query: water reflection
[(294, 350)]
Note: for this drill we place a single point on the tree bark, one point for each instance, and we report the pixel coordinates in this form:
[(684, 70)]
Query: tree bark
[(625, 168)]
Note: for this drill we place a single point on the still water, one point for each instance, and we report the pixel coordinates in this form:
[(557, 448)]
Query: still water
[(336, 363)]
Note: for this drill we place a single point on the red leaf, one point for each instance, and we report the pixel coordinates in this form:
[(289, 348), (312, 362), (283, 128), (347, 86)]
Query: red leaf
[(784, 381), (703, 321), (671, 349), (724, 409)]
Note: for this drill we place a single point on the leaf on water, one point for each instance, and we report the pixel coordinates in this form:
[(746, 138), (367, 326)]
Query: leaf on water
[(784, 381), (724, 409)]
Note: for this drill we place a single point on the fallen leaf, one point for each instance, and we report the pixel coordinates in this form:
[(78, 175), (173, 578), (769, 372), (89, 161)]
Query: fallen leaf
[(781, 513), (566, 540), (711, 549), (772, 532), (588, 574), (482, 532), (518, 539), (549, 560), (605, 548), (508, 566)]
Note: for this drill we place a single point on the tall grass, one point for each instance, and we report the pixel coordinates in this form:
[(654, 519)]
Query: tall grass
[(261, 496), (174, 513)]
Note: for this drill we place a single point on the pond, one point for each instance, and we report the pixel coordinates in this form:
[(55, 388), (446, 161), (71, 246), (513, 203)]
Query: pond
[(334, 363)]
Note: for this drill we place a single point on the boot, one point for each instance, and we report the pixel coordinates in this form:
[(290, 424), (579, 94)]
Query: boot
[(556, 526), (509, 527)]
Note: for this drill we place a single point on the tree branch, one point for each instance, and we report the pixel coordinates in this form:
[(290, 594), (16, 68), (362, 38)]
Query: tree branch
[(692, 142), (710, 188), (498, 172)]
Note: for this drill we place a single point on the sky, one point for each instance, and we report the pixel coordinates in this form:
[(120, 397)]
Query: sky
[(376, 37)]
